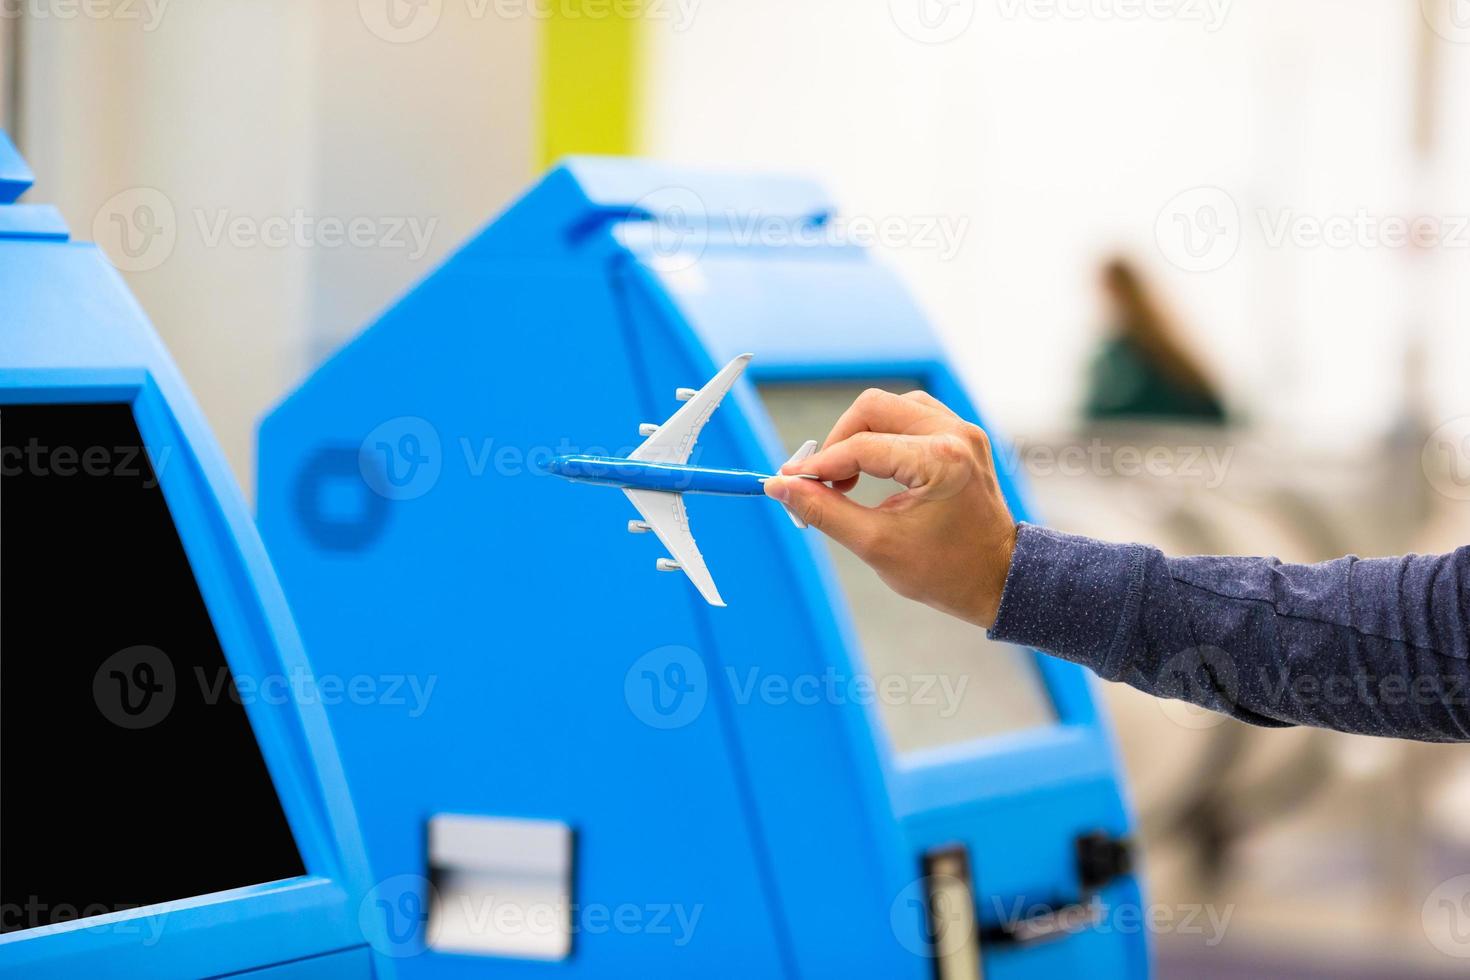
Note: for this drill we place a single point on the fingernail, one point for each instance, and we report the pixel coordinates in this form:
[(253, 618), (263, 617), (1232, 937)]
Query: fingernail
[(778, 487)]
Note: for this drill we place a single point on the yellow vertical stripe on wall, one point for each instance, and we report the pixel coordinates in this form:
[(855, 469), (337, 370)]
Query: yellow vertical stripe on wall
[(589, 63)]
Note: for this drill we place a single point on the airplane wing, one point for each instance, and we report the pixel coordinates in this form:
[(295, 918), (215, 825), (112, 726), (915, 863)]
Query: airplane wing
[(674, 440), (665, 514)]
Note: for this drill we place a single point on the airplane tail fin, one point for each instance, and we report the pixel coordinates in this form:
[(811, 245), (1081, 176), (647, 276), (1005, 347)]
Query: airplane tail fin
[(807, 448)]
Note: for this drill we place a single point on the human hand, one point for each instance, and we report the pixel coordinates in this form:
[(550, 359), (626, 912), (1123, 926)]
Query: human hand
[(946, 540)]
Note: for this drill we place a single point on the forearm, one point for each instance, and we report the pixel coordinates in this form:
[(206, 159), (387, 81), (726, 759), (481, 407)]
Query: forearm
[(1376, 646)]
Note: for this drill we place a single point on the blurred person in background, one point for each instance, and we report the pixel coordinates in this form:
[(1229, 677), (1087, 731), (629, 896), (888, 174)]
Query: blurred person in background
[(1143, 369)]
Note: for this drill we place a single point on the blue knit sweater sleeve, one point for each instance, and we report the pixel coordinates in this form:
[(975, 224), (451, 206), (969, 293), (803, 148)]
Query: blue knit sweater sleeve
[(1374, 646)]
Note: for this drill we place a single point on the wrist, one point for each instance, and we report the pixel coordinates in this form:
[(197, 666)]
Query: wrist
[(994, 572)]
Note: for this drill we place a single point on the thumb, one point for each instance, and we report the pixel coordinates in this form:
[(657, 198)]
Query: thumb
[(848, 523)]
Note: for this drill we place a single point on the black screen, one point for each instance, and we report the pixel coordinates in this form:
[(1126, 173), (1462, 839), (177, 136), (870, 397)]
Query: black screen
[(129, 774)]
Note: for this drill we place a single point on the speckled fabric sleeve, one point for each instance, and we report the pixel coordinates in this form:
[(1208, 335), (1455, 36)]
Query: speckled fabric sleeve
[(1376, 646)]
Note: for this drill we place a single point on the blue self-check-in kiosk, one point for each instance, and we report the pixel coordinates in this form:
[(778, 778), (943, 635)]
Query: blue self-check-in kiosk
[(609, 777), (161, 815)]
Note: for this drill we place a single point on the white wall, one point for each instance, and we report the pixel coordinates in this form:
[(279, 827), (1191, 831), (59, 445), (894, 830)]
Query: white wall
[(234, 122), (440, 130), (1055, 138), (1062, 137)]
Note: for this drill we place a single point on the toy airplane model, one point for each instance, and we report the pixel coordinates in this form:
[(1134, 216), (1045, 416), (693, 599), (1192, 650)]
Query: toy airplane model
[(657, 474)]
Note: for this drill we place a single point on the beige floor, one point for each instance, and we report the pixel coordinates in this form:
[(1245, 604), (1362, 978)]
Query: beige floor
[(1358, 876)]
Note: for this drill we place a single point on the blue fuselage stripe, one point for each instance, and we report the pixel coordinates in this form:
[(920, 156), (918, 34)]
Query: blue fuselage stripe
[(674, 477)]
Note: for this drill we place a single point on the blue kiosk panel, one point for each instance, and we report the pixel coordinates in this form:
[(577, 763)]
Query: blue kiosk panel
[(811, 778), (161, 814)]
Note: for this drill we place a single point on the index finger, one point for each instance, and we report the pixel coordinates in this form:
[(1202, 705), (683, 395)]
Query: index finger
[(914, 461), (876, 410)]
